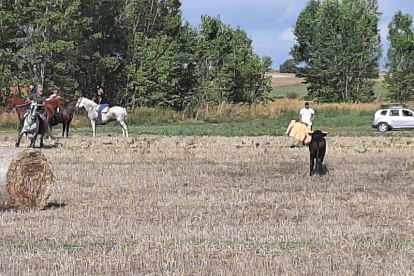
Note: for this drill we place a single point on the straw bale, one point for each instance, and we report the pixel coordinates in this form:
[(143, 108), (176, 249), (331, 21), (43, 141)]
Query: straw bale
[(6, 156), (29, 180)]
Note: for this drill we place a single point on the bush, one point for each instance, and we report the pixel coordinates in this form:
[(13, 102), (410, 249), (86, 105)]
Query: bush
[(155, 115), (292, 95), (289, 66)]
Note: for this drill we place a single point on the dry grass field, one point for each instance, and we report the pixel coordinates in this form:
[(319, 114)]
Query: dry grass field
[(285, 79), (217, 206)]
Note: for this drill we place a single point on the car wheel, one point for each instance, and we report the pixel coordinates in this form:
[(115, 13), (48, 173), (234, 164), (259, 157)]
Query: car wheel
[(382, 127)]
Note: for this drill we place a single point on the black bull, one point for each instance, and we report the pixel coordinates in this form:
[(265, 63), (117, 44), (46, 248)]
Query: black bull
[(317, 149)]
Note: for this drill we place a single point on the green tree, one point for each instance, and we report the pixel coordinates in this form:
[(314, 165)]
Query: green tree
[(140, 51), (98, 54), (9, 27), (152, 30), (288, 66), (338, 47), (43, 45), (267, 63), (400, 76), (228, 68)]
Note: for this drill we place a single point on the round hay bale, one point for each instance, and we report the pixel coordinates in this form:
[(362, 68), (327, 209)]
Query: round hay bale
[(6, 156), (29, 180)]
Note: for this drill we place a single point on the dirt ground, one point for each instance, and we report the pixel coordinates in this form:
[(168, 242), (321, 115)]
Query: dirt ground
[(217, 206)]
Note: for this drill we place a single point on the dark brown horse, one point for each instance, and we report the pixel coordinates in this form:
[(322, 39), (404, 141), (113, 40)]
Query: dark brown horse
[(65, 117)]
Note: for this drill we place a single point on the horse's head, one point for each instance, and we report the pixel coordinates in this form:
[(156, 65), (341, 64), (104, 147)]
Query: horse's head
[(9, 105), (79, 104), (30, 114)]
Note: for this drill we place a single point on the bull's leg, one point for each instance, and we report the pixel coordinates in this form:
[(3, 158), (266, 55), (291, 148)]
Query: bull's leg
[(321, 157), (312, 165), (319, 166)]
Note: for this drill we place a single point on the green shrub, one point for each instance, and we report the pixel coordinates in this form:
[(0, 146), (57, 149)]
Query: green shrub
[(155, 115)]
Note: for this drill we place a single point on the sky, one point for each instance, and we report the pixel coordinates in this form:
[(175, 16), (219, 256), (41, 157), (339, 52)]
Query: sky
[(269, 22)]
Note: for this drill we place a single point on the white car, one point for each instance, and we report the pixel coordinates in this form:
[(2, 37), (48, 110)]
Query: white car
[(390, 117)]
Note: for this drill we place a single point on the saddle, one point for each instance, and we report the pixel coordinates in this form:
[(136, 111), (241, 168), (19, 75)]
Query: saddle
[(105, 110)]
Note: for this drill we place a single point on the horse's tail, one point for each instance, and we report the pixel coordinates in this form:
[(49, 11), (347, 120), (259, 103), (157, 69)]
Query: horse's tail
[(125, 112)]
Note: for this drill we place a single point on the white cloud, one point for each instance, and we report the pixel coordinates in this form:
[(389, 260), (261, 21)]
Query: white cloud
[(287, 35)]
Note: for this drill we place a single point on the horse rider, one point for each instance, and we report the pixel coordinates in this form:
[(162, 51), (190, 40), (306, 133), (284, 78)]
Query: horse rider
[(103, 101), (40, 100), (33, 90), (54, 95)]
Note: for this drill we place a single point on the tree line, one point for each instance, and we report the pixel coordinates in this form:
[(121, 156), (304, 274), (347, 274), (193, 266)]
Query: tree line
[(338, 49), (140, 51), (143, 53)]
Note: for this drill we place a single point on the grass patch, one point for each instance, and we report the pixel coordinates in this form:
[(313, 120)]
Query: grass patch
[(380, 90), (300, 90), (339, 122), (231, 120), (282, 91)]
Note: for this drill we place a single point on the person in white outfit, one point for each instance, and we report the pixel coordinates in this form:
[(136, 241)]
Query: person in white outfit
[(307, 115)]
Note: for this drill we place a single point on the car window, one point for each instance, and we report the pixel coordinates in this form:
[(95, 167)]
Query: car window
[(394, 113), (407, 113), (384, 112)]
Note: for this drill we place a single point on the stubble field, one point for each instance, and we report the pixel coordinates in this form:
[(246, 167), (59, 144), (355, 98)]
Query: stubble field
[(217, 206)]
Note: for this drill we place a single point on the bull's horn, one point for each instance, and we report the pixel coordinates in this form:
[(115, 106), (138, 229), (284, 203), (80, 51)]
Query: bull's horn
[(325, 132), (310, 132)]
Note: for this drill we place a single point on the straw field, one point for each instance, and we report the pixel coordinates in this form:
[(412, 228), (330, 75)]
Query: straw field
[(217, 206)]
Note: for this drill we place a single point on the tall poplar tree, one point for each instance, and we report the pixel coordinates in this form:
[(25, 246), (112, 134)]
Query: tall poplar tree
[(338, 48), (400, 63)]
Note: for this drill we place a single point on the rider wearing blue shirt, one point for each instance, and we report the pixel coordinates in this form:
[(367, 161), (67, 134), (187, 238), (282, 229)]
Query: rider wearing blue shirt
[(103, 101)]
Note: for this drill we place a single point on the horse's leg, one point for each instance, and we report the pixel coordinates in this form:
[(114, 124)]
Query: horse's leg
[(124, 129), (20, 129), (63, 129), (33, 141), (51, 131), (41, 140), (67, 128), (93, 123), (19, 139)]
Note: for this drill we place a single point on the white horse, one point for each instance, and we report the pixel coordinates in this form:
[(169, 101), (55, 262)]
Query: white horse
[(33, 125), (116, 113)]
